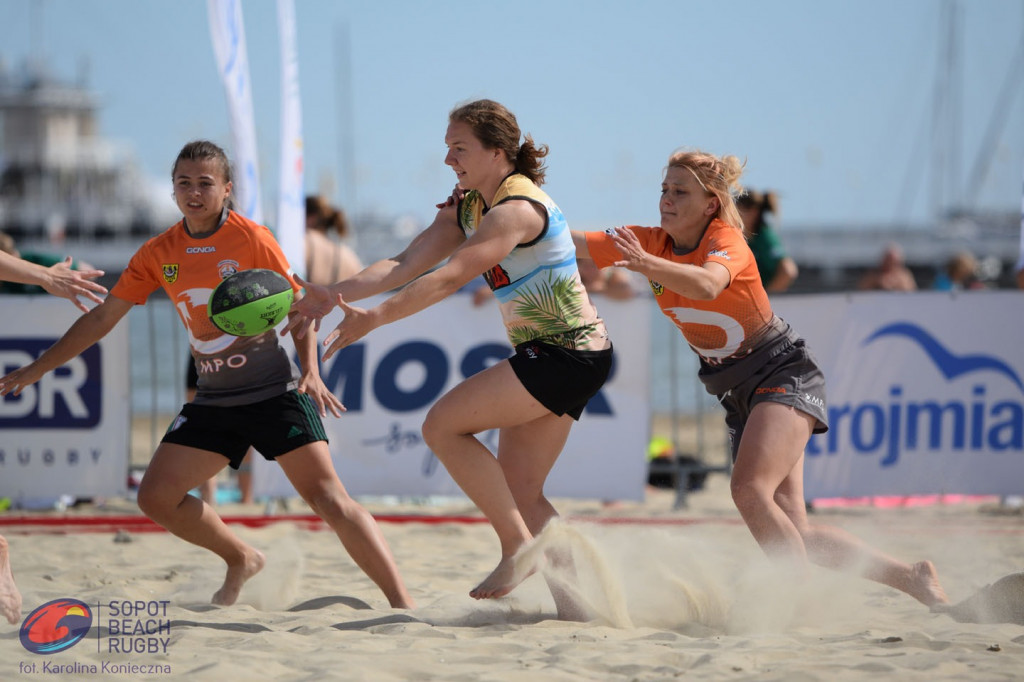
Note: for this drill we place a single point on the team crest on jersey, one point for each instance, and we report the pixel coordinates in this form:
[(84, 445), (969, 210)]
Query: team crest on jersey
[(226, 268), (658, 289), (170, 272)]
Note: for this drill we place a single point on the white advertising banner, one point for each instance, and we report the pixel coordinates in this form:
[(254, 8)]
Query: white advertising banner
[(391, 378), (68, 433), (291, 205), (228, 34), (925, 392)]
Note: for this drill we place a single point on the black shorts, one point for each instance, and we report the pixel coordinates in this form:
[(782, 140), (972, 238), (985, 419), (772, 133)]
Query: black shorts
[(275, 427), (191, 374), (562, 380), (791, 377)]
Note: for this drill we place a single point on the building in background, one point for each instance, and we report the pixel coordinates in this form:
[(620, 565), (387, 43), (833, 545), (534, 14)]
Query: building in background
[(62, 186)]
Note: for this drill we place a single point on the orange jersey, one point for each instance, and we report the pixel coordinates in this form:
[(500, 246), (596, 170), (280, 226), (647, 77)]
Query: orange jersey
[(233, 370), (729, 326)]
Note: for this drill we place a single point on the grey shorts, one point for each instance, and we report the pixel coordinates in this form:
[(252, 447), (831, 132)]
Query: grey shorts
[(790, 377)]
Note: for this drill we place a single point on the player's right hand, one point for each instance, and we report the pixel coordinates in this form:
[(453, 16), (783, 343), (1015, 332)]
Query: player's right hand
[(316, 302)]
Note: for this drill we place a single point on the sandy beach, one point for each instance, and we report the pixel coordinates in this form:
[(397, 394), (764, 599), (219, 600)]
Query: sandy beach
[(672, 593)]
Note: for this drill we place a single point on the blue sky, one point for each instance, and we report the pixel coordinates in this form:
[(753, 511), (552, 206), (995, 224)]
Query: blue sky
[(831, 103)]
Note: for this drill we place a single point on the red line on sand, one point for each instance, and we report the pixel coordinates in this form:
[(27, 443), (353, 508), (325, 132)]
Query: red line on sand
[(142, 524)]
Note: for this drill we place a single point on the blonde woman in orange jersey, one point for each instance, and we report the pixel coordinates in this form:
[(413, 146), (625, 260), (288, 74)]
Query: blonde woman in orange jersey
[(705, 279), (249, 391)]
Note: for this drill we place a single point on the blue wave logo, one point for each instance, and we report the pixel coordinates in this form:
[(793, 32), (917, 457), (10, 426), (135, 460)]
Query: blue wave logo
[(951, 365)]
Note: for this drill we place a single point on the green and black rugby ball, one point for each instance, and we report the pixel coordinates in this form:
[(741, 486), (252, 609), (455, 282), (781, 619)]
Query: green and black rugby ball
[(250, 302)]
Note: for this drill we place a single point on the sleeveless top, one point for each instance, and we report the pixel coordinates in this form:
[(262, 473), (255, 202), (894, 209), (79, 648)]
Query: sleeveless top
[(538, 285)]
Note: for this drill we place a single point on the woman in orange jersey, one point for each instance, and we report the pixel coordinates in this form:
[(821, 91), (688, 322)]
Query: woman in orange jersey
[(705, 279), (249, 392)]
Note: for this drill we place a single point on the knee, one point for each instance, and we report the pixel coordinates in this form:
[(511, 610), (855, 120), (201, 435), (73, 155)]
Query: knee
[(150, 501), (330, 505), (435, 431), (747, 496)]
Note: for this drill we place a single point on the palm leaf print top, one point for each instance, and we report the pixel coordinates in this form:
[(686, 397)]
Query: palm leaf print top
[(538, 285)]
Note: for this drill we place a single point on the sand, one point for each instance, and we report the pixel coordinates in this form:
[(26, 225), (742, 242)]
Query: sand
[(671, 593)]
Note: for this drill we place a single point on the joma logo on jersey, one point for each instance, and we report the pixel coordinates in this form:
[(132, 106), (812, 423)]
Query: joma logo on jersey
[(69, 397), (170, 272)]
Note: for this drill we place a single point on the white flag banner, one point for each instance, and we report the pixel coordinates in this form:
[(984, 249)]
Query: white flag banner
[(228, 34), (291, 210)]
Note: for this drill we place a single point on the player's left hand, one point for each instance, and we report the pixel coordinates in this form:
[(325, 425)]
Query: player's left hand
[(312, 384), (633, 254), (358, 323)]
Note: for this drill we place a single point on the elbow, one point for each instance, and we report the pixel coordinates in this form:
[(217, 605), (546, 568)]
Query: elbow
[(706, 291)]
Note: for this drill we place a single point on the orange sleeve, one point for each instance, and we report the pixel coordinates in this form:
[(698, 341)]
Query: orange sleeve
[(136, 282), (728, 247)]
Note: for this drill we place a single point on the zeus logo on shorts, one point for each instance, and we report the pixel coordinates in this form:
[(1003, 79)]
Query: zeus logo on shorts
[(69, 397)]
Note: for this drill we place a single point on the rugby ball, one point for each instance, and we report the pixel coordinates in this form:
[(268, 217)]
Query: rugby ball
[(250, 302)]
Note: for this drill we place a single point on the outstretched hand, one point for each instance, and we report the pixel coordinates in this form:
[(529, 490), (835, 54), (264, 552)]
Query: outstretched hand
[(633, 254), (17, 380), (357, 324), (70, 284), (313, 386), (316, 302), (455, 197)]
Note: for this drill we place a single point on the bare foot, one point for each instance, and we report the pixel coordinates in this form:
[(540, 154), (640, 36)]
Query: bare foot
[(237, 575), (10, 598), (924, 585), (502, 580)]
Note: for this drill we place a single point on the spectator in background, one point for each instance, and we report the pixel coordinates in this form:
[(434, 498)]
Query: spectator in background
[(328, 259), (960, 274), (757, 210), (892, 274)]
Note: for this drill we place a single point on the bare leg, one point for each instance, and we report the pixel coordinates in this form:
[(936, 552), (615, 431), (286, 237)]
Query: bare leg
[(10, 598), (311, 471), (245, 477), (838, 549), (526, 454), (163, 497), (493, 398), (208, 491), (767, 487)]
